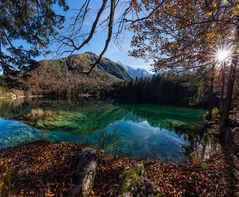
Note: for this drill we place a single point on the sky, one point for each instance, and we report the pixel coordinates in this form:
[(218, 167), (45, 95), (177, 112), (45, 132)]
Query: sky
[(114, 52)]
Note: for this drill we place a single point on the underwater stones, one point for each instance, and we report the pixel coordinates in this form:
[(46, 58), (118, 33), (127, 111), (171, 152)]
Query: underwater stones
[(133, 182), (37, 112), (52, 120)]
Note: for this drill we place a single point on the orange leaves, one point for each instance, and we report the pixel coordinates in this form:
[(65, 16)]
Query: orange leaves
[(40, 168), (187, 180), (135, 5), (210, 35), (209, 13), (236, 9), (171, 8), (57, 178)]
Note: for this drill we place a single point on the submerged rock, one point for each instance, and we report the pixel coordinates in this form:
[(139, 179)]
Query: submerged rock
[(52, 120)]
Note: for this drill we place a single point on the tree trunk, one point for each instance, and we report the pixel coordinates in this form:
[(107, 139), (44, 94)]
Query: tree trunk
[(228, 100), (222, 88), (210, 94), (224, 132)]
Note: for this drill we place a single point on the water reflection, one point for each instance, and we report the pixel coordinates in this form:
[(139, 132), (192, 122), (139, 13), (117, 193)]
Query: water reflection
[(140, 139), (204, 147), (139, 131)]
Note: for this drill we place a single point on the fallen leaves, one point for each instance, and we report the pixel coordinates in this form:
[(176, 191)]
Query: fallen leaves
[(40, 167), (49, 169)]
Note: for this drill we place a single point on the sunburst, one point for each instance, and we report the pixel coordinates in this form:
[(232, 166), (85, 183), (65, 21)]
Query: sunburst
[(223, 55)]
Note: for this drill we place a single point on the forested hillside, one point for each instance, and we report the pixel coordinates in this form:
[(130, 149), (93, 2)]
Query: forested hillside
[(164, 90), (66, 77)]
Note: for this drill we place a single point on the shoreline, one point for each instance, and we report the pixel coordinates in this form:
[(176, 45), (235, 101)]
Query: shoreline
[(15, 97), (42, 168), (39, 167)]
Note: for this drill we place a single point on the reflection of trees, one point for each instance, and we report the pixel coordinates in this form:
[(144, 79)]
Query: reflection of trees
[(99, 118), (79, 117), (161, 116), (166, 116), (85, 116), (113, 141), (203, 146), (13, 109), (88, 119)]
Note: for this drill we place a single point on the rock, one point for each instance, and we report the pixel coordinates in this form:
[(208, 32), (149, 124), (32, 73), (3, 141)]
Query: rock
[(129, 178), (86, 169), (37, 113), (134, 183)]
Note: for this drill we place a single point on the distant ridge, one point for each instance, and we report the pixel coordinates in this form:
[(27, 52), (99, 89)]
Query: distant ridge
[(65, 76), (135, 72)]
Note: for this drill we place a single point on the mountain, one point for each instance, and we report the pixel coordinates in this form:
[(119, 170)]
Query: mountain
[(136, 72), (66, 76)]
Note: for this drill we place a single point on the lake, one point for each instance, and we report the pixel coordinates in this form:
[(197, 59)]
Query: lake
[(136, 130)]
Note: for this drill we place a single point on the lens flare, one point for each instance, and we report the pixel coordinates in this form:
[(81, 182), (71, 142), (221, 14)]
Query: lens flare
[(223, 55)]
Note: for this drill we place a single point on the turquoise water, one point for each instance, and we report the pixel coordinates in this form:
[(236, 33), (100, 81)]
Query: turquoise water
[(137, 130)]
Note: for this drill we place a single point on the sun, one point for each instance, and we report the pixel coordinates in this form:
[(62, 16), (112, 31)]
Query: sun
[(223, 55)]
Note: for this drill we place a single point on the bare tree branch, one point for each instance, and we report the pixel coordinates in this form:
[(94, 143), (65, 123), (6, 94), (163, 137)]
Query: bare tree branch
[(84, 9), (109, 36), (146, 17), (70, 42)]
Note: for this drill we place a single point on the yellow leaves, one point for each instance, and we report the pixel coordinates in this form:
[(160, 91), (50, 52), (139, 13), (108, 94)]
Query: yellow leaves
[(211, 7), (235, 8), (171, 9), (237, 50), (235, 12), (135, 5), (209, 13), (214, 4), (210, 35)]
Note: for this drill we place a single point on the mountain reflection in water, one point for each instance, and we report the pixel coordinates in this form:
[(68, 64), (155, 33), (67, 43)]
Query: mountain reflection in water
[(136, 130)]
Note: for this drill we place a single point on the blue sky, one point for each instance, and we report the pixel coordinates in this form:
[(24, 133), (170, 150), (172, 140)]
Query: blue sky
[(114, 52)]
